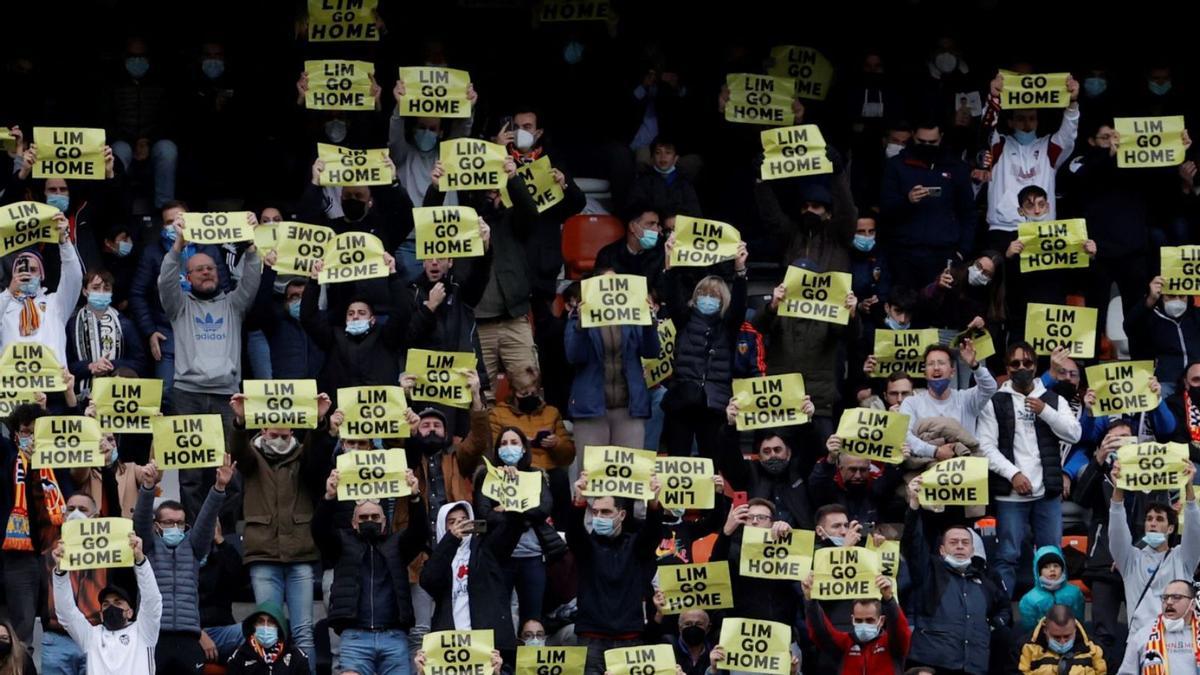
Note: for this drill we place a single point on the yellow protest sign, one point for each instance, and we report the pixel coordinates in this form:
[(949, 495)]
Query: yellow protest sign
[(433, 91), (614, 300), (1146, 467), (96, 543), (1122, 387), (266, 237), (290, 404), (656, 371), (560, 11), (794, 151), (1047, 90), (9, 400), (753, 646), (811, 70), (1180, 269), (188, 441), (980, 339), (889, 556), (656, 659), (688, 587), (618, 472), (819, 297), (447, 232), (1148, 142), (700, 243), (353, 256), (760, 99), (471, 164), (845, 573), (764, 557), (7, 140), (126, 405), (372, 474), (372, 412), (458, 652), (299, 245), (30, 366), (440, 377), (342, 21), (27, 223), (521, 492), (539, 182), (1053, 245), (66, 442), (960, 481), (350, 166), (771, 401), (69, 152), (1072, 328), (877, 435), (217, 228), (550, 660), (687, 482), (902, 351), (339, 85)]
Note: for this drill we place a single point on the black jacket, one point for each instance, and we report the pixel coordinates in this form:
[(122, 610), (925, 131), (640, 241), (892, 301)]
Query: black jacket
[(759, 599), (451, 328), (614, 573), (867, 504), (246, 661), (553, 546), (649, 264), (787, 490), (704, 345), (545, 243)]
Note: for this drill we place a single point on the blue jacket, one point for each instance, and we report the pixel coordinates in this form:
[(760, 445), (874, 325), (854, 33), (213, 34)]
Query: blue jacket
[(586, 352), (144, 303), (1171, 343), (943, 222), (1038, 600)]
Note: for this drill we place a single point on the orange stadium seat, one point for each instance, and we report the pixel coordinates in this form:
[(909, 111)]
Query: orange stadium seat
[(582, 238)]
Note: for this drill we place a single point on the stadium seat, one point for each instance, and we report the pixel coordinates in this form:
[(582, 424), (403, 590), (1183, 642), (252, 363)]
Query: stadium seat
[(582, 238)]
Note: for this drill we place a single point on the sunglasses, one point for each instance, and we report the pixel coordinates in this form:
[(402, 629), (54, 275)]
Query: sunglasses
[(1020, 363)]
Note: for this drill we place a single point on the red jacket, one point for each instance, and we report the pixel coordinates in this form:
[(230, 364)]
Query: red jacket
[(882, 656)]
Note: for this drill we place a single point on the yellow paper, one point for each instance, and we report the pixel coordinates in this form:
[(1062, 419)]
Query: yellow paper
[(902, 351), (447, 232), (372, 412), (819, 297), (433, 91), (760, 99), (289, 404), (539, 182), (877, 435), (786, 558), (656, 659), (439, 376), (980, 338), (1146, 467), (960, 481), (561, 11), (96, 543), (1180, 267), (656, 371), (889, 557), (811, 70), (217, 228), (1122, 387), (189, 441), (1023, 92), (24, 224), (126, 405), (299, 245), (339, 85), (700, 243), (1066, 326), (266, 237), (1148, 142), (689, 587), (9, 400), (794, 151), (458, 651), (349, 166), (614, 300), (66, 442), (472, 164), (756, 646), (687, 482), (342, 21), (845, 573), (372, 474), (30, 366), (771, 401), (550, 660), (353, 256), (1053, 245), (520, 493), (7, 140), (618, 472), (69, 152)]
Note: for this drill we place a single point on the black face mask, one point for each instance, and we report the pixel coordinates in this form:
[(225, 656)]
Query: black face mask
[(113, 618), (693, 636), (1066, 389), (370, 531), (774, 466), (354, 209), (925, 153), (428, 444), (810, 221), (1194, 395), (528, 404), (1022, 377), (5, 649)]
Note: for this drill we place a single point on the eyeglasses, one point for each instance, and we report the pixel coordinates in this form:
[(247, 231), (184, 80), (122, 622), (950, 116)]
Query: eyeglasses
[(1020, 363), (172, 523), (1175, 597), (759, 518)]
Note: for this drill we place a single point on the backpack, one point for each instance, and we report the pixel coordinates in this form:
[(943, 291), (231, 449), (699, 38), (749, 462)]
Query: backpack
[(750, 355)]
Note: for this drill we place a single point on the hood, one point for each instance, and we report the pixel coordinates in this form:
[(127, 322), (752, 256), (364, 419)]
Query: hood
[(272, 610), (445, 511), (1048, 551)]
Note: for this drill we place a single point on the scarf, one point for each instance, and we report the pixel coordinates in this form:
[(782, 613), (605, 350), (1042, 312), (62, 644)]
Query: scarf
[(96, 337), (1154, 659), (268, 656), (31, 314), (1193, 416), (16, 531)]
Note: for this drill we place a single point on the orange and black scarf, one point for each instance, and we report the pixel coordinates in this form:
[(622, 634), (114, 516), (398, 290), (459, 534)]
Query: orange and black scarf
[(268, 656), (1155, 660), (16, 531)]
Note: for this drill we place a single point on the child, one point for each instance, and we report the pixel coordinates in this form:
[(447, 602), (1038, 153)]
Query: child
[(1051, 588)]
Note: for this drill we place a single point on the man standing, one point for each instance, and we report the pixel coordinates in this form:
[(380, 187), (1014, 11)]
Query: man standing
[(1170, 643), (939, 400)]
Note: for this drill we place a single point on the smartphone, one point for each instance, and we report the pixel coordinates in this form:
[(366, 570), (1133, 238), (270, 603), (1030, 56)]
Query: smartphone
[(477, 527), (934, 191), (506, 124), (541, 436), (740, 497), (868, 529), (949, 263)]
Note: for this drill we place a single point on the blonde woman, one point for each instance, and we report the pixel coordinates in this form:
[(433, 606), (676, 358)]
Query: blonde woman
[(14, 657)]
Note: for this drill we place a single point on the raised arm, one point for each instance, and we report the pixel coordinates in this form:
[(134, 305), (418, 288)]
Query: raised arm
[(70, 283), (169, 290), (150, 604), (242, 297), (67, 612)]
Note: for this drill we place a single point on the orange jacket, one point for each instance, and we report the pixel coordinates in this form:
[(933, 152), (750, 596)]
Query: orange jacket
[(546, 417)]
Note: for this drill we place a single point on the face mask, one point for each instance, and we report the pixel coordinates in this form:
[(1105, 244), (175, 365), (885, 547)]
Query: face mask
[(294, 309), (573, 52), (5, 649), (113, 618), (173, 536), (168, 235), (353, 209), (837, 541), (213, 68), (648, 239), (535, 642), (924, 151), (114, 456), (1022, 377), (32, 286), (524, 140), (425, 139), (358, 326), (124, 248), (99, 300), (1024, 137), (893, 149), (945, 62), (895, 325), (1175, 308), (335, 130), (809, 221), (60, 202), (976, 277), (864, 242), (1173, 625), (511, 454), (266, 636), (77, 515), (369, 531), (708, 305), (1061, 647), (676, 514), (665, 172), (278, 445), (603, 526), (428, 444), (137, 66), (938, 386), (955, 564), (1042, 217), (528, 404), (1065, 389), (693, 636), (1094, 86), (865, 632), (775, 465), (1154, 539), (1160, 89), (1051, 584), (1194, 393), (25, 442)]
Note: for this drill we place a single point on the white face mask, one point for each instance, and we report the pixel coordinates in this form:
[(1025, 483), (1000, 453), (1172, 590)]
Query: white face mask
[(1175, 308), (976, 277), (1173, 625), (77, 515), (524, 140), (893, 149), (945, 62), (1038, 218)]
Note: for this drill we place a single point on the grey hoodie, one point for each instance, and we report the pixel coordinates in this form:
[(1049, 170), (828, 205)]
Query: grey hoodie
[(1137, 564)]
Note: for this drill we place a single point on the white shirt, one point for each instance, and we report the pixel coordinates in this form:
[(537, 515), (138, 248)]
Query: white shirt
[(56, 308), (1016, 166), (1027, 458), (129, 651), (963, 406)]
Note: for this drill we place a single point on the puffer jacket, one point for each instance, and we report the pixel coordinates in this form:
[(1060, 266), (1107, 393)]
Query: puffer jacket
[(882, 656), (1085, 657), (505, 414), (704, 345), (1038, 600)]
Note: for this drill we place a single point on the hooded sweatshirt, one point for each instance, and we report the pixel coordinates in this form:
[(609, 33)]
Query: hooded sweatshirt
[(1137, 564), (461, 565), (1040, 599)]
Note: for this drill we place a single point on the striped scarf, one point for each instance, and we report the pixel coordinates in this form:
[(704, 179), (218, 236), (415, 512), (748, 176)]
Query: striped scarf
[(268, 656), (31, 315), (96, 337), (1155, 660), (1193, 416), (16, 531)]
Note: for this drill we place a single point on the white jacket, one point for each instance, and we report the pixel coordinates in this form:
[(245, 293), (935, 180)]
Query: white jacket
[(57, 308), (1027, 458), (1016, 166), (129, 651)]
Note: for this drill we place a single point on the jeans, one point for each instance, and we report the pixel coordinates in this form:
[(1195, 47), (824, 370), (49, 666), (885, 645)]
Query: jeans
[(1014, 520), (406, 261), (227, 639), (165, 371), (422, 617), (194, 484), (22, 579), (654, 425), (290, 584), (61, 656), (259, 353), (528, 576), (163, 158), (375, 652)]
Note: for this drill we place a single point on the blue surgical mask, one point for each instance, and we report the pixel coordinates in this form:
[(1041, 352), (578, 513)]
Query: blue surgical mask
[(60, 202), (603, 526), (425, 139), (358, 326), (114, 456), (939, 386), (266, 636), (837, 541), (99, 300), (213, 68), (708, 305), (864, 242), (137, 66), (894, 324), (124, 248), (25, 442), (1061, 647), (648, 239), (511, 454), (32, 286), (1159, 88), (535, 642), (168, 236), (955, 563), (573, 52), (1024, 137), (294, 309), (865, 632), (173, 536), (1094, 86), (1154, 539)]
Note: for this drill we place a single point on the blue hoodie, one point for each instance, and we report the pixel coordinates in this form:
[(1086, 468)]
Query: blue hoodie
[(1038, 601)]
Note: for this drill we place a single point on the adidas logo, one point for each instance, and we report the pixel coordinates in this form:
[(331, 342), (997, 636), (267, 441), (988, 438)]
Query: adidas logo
[(208, 328)]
